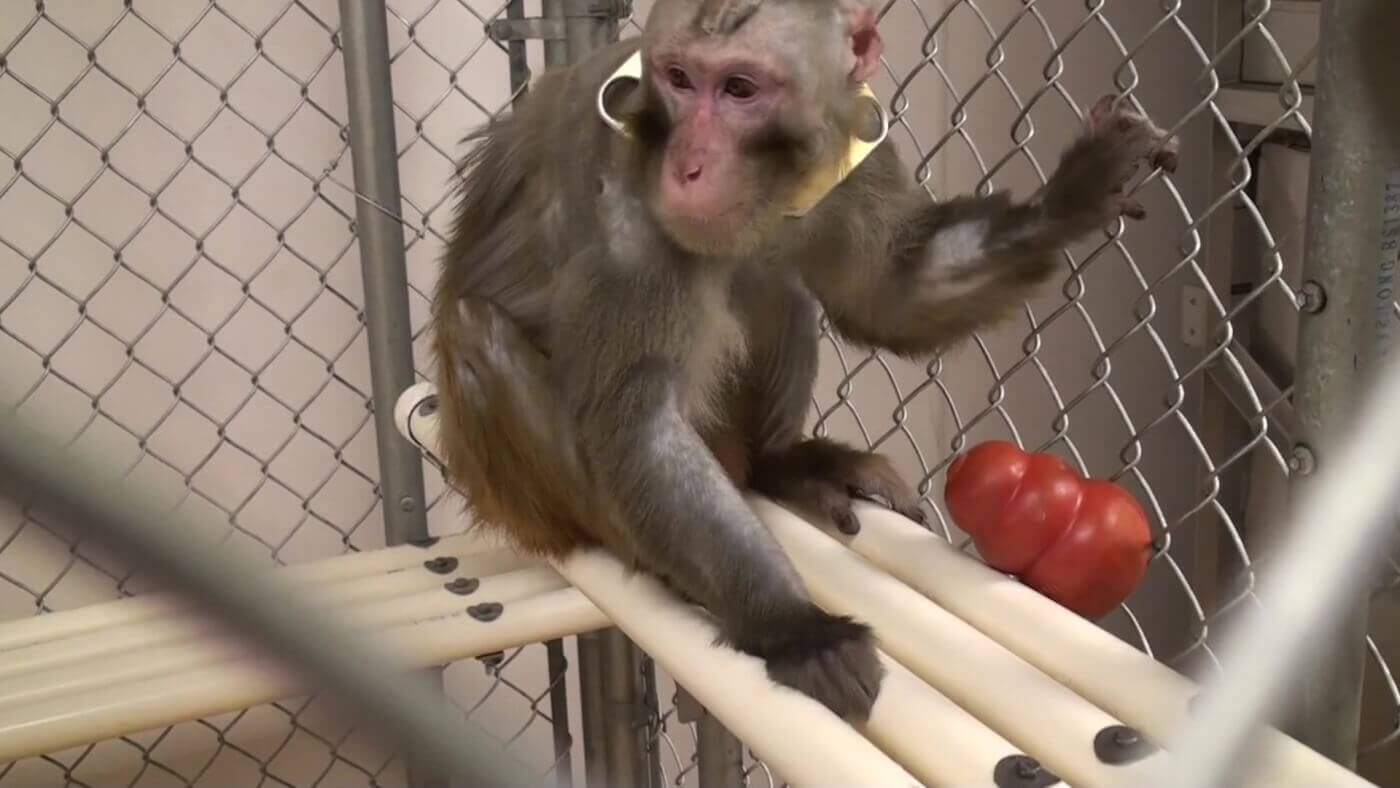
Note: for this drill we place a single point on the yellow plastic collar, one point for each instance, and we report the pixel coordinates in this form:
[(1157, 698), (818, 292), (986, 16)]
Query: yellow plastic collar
[(818, 184)]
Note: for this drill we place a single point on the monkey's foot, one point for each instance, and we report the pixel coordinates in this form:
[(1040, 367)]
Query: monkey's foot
[(831, 659), (821, 478)]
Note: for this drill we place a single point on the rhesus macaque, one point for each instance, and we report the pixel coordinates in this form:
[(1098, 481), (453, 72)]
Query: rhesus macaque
[(626, 325)]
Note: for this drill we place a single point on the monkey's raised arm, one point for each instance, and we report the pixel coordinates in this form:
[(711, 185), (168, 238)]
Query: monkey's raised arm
[(915, 276)]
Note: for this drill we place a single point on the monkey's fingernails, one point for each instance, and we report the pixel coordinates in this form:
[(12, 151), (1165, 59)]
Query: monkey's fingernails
[(846, 522), (1166, 158), (1101, 108), (1134, 210)]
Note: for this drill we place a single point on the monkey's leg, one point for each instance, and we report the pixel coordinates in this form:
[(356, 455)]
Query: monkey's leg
[(505, 442), (816, 477), (821, 478), (686, 522)]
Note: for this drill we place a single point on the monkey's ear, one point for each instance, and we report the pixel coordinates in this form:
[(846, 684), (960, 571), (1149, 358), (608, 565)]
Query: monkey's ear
[(863, 40)]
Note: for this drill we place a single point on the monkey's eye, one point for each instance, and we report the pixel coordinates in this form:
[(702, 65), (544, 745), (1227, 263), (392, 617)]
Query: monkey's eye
[(677, 78), (741, 88)]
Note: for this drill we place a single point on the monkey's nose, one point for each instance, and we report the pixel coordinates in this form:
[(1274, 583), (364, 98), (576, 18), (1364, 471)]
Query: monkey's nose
[(691, 174)]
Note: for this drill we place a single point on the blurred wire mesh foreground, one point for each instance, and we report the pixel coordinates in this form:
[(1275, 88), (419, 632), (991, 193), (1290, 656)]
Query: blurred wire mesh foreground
[(85, 494)]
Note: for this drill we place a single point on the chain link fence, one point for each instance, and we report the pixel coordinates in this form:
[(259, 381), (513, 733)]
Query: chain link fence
[(180, 289)]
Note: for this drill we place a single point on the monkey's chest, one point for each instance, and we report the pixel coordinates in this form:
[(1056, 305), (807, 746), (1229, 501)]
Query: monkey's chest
[(716, 353)]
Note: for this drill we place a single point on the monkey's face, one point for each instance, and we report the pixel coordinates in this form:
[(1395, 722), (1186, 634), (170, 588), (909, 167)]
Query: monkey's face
[(742, 100), (723, 159)]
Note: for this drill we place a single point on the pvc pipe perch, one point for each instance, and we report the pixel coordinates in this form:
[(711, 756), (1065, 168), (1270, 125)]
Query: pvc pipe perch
[(85, 494), (75, 665), (733, 686), (68, 719), (1051, 645), (1117, 677), (180, 625), (1032, 710), (735, 689), (315, 575)]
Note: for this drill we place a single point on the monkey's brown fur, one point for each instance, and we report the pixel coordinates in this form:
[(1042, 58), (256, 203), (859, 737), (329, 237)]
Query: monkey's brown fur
[(626, 327)]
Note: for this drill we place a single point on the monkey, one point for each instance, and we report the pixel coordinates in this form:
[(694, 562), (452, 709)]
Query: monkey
[(626, 325)]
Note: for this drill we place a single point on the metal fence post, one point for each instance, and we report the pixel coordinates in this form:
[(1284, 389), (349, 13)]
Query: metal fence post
[(614, 695), (1352, 156), (365, 42), (558, 663), (556, 50), (609, 663), (374, 152), (719, 754), (592, 711), (616, 702)]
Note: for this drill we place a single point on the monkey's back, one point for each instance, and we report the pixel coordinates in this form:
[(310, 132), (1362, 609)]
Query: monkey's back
[(526, 205)]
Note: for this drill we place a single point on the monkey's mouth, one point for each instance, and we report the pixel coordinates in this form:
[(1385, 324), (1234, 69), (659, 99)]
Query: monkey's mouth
[(704, 208)]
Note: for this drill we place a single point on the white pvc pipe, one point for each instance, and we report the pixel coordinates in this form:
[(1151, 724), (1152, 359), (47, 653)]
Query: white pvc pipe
[(68, 653), (79, 671), (932, 737), (323, 572), (796, 736), (111, 710), (1079, 655), (419, 429), (1029, 708), (397, 582), (371, 562), (1121, 679), (901, 723), (179, 625), (505, 587)]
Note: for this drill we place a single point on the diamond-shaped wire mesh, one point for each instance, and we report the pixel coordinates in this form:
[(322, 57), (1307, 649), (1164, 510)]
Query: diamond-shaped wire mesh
[(180, 288)]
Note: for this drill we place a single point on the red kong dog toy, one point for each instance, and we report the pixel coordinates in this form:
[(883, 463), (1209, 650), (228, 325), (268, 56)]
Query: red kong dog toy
[(1082, 542)]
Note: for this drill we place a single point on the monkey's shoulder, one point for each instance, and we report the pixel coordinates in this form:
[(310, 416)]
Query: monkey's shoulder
[(854, 212), (879, 175)]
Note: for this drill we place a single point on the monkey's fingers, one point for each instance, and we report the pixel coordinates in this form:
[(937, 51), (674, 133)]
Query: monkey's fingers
[(829, 501), (829, 658), (874, 478), (838, 508), (1133, 209), (908, 505), (1100, 110), (1168, 155)]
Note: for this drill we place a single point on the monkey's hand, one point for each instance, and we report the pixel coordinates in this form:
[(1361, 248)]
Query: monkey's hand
[(1087, 190), (829, 658), (821, 478)]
